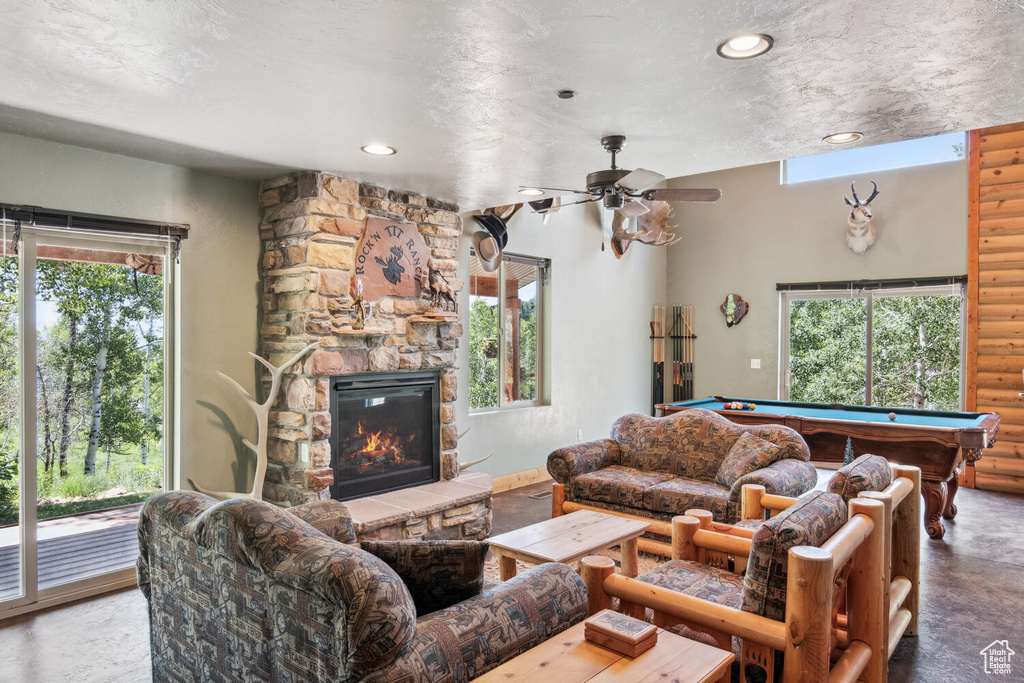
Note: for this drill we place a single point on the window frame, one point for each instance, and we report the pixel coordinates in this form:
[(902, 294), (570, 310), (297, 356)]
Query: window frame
[(543, 266), (786, 297), (34, 598)]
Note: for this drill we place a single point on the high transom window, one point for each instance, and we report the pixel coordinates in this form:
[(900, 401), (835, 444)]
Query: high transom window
[(868, 159)]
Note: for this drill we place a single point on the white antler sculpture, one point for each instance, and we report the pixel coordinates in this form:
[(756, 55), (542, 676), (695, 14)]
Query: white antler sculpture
[(262, 411)]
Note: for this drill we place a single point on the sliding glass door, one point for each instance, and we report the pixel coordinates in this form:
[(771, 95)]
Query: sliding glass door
[(87, 447)]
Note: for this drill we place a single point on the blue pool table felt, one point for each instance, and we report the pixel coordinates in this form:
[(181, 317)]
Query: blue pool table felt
[(904, 416)]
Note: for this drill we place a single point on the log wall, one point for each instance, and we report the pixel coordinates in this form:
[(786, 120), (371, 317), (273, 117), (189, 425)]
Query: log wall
[(995, 318)]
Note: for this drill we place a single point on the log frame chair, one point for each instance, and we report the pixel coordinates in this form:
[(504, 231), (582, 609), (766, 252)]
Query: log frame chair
[(903, 500), (847, 568)]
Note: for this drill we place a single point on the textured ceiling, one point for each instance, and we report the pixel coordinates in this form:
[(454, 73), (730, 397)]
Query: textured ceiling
[(466, 89)]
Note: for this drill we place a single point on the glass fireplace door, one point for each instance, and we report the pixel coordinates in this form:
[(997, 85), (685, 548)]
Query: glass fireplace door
[(384, 436)]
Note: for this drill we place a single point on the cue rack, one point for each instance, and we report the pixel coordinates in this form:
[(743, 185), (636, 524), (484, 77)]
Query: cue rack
[(682, 336)]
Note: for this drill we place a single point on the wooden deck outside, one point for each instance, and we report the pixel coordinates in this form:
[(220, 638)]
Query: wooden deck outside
[(73, 548)]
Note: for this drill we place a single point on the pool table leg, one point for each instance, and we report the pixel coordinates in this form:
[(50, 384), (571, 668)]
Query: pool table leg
[(934, 494), (952, 486)]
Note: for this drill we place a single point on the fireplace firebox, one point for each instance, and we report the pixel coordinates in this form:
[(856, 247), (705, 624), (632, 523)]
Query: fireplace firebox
[(385, 432)]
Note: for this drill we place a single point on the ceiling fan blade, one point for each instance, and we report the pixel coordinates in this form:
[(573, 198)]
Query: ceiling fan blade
[(639, 179), (582, 201), (632, 209), (551, 189), (683, 195)]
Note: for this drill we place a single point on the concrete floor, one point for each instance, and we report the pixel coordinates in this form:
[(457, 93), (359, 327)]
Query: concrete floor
[(971, 595)]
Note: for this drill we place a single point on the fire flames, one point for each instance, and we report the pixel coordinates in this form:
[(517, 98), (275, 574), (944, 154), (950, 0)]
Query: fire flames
[(380, 449)]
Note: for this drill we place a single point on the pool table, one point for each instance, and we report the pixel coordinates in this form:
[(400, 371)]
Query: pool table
[(936, 441)]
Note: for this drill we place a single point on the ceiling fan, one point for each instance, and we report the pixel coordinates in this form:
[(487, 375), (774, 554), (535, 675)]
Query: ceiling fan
[(620, 189)]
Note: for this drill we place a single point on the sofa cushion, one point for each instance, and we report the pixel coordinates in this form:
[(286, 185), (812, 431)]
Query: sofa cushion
[(676, 496), (616, 484), (866, 473), (698, 580), (749, 453), (691, 443), (811, 521), (438, 574)]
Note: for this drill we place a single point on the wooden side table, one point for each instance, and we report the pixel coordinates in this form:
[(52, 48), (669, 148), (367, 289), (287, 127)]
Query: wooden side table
[(569, 658), (567, 539)]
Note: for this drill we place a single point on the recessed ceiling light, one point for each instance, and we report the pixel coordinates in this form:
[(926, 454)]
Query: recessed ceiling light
[(746, 46), (531, 192), (379, 149), (842, 138)]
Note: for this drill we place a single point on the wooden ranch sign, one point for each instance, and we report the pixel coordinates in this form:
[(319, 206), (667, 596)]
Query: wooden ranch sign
[(391, 259)]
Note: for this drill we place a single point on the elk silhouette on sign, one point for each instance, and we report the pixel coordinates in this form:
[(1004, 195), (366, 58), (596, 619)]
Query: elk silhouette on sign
[(860, 230)]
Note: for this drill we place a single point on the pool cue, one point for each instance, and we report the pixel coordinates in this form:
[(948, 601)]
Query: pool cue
[(680, 349), (660, 396), (682, 354), (687, 388), (675, 354), (692, 337), (686, 352), (689, 338)]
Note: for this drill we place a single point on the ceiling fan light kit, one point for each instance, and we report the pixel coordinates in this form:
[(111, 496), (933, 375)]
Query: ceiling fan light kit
[(620, 189), (746, 46)]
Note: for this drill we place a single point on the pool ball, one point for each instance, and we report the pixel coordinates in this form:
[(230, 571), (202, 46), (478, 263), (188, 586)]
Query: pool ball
[(892, 416)]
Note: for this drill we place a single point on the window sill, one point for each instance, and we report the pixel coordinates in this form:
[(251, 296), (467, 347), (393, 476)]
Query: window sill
[(506, 409)]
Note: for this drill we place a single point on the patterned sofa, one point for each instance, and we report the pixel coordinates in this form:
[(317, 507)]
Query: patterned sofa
[(245, 591), (661, 467)]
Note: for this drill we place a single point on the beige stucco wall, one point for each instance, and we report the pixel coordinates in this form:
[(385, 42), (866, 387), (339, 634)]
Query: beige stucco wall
[(761, 233), (599, 350), (218, 277)]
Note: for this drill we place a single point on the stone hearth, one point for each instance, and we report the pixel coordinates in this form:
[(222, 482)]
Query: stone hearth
[(312, 224)]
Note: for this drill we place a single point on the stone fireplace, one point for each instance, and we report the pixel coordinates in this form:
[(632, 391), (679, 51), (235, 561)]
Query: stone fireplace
[(311, 230)]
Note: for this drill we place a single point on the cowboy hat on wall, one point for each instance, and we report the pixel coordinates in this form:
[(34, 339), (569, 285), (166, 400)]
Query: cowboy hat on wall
[(488, 245)]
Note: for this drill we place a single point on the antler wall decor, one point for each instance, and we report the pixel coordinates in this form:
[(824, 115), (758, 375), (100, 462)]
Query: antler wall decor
[(262, 411), (652, 228), (463, 466)]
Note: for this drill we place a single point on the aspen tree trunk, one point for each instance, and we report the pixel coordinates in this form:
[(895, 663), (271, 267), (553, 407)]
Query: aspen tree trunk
[(922, 342), (47, 438), (67, 399), (146, 411), (96, 406)]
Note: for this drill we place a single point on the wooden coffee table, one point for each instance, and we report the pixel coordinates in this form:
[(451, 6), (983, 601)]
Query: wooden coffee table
[(567, 539), (569, 658)]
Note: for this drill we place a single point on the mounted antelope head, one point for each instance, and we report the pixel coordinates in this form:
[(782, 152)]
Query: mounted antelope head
[(860, 230)]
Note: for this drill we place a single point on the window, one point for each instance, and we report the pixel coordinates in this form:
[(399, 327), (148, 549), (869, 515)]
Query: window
[(897, 347), (505, 333), (847, 162)]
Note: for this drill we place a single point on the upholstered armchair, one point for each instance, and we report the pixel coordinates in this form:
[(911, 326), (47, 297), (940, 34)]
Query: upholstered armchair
[(244, 590)]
